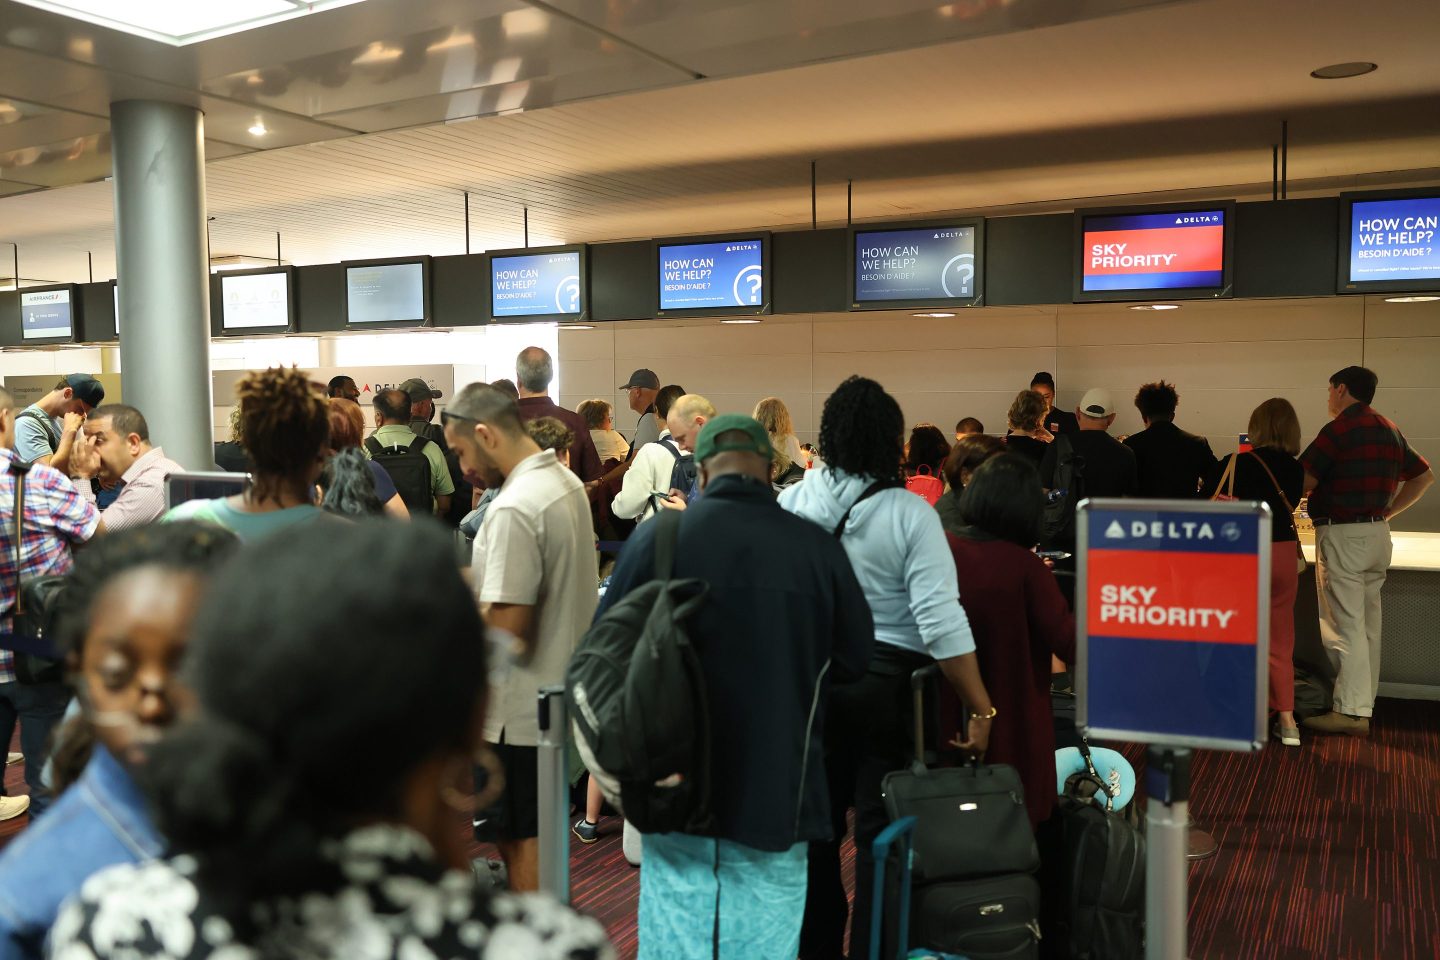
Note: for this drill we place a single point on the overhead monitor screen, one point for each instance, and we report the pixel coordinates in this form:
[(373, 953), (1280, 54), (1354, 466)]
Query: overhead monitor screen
[(255, 300), (385, 293), (536, 285), (722, 274), (936, 263), (1395, 241), (46, 314), (1181, 250)]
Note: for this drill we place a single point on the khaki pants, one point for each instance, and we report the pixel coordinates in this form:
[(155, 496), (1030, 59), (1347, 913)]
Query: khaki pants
[(1351, 561)]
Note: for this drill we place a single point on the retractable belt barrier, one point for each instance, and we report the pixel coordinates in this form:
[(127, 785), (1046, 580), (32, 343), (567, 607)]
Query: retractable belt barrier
[(554, 793)]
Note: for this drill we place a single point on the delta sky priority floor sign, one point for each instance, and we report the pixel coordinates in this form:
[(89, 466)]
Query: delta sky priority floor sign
[(1172, 610)]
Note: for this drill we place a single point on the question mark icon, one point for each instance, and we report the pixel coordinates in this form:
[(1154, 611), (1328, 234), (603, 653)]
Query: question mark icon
[(964, 267), (754, 278), (567, 295)]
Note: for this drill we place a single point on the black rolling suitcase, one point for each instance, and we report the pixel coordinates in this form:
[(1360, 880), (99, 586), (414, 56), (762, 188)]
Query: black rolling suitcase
[(974, 858)]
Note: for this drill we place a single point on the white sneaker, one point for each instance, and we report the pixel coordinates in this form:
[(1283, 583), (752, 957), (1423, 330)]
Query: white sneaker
[(12, 807), (13, 758)]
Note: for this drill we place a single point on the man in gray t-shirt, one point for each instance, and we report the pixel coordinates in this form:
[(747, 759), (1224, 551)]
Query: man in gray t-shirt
[(536, 578), (46, 430), (640, 390)]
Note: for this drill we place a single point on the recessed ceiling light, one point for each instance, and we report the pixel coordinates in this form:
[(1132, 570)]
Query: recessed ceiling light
[(179, 23), (1156, 306), (257, 129), (1343, 71), (935, 315), (742, 320), (1424, 299), (577, 326)]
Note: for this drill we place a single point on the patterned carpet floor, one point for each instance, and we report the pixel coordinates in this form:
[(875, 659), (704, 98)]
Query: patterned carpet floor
[(1328, 851)]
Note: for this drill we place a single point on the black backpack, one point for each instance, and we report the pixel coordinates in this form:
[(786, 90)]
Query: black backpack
[(682, 478), (1093, 868), (636, 694), (409, 468), (1057, 525)]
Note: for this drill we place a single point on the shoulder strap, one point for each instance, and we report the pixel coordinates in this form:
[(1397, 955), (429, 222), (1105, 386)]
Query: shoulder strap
[(373, 446), (666, 536), (1276, 483), (870, 491), (418, 444), (672, 447), (19, 468), (46, 424)]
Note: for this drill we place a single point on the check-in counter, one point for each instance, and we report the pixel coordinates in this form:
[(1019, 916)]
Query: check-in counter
[(1410, 653)]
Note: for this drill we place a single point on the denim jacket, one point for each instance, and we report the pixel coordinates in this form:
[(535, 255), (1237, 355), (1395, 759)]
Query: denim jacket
[(101, 820)]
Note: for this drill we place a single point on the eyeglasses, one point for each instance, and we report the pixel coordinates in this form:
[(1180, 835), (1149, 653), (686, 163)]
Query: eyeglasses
[(446, 416)]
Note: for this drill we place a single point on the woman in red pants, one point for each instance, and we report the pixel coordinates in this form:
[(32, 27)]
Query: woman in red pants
[(1271, 473)]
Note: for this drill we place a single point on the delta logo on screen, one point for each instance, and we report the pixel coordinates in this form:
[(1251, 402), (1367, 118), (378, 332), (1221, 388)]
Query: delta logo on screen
[(1154, 251)]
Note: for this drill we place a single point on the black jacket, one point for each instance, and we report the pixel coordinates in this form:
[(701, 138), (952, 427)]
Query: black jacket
[(785, 618), (1169, 461)]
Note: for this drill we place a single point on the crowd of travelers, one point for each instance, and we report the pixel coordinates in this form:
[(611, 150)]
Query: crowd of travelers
[(272, 724)]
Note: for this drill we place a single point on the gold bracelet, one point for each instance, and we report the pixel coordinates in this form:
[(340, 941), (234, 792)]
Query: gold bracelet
[(988, 716)]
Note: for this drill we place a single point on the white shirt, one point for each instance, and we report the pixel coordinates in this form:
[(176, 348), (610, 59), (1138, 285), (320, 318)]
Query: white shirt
[(649, 473), (536, 548), (142, 499)]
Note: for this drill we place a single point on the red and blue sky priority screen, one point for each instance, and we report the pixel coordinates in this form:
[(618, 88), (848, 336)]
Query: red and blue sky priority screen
[(1154, 251)]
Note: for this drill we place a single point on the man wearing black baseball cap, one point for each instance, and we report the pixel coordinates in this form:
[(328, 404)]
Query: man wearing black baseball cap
[(45, 431), (422, 422), (772, 576), (641, 389)]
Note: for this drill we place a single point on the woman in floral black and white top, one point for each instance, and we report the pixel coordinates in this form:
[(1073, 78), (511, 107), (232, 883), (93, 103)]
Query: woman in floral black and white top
[(318, 799)]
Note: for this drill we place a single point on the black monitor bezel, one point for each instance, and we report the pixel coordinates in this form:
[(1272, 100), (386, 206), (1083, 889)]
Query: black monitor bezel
[(426, 279), (1344, 286), (582, 317), (1225, 291), (75, 310), (766, 306), (977, 300), (290, 310)]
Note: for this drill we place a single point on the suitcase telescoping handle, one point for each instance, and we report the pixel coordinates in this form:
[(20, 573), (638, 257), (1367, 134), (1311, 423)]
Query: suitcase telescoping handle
[(919, 681), (902, 831)]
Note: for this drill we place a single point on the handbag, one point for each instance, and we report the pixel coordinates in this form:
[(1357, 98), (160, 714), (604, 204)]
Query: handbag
[(32, 637), (1301, 564), (1225, 489)]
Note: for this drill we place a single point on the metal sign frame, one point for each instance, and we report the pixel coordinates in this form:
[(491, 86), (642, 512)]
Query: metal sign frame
[(1243, 508)]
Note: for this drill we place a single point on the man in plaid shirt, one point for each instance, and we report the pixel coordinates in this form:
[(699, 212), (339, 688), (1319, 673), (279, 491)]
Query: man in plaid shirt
[(56, 517), (1360, 473)]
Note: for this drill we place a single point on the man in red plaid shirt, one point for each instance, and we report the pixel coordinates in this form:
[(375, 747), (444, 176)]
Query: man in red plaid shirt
[(56, 518), (1360, 473)]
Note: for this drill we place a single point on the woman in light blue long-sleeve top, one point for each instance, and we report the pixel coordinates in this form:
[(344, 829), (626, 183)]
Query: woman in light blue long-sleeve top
[(900, 556)]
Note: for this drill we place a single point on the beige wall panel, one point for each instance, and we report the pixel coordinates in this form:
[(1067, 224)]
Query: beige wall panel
[(1401, 319), (583, 379), (762, 374), (1425, 515), (993, 369), (1415, 410), (1404, 361), (597, 344), (1214, 321), (1279, 366), (986, 327), (657, 344)]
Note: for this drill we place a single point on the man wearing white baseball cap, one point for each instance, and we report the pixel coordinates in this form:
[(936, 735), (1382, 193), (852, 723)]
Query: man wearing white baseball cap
[(1089, 461)]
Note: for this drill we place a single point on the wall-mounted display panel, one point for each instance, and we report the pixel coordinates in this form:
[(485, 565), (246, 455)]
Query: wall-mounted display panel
[(1146, 253), (714, 276), (1390, 242), (543, 283), (47, 314), (387, 293), (918, 265)]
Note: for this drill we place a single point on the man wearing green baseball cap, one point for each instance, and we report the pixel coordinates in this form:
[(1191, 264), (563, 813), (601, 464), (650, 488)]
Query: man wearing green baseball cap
[(783, 618)]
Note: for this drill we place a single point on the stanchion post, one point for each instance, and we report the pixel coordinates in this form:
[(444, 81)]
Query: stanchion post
[(554, 793), (1167, 881)]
